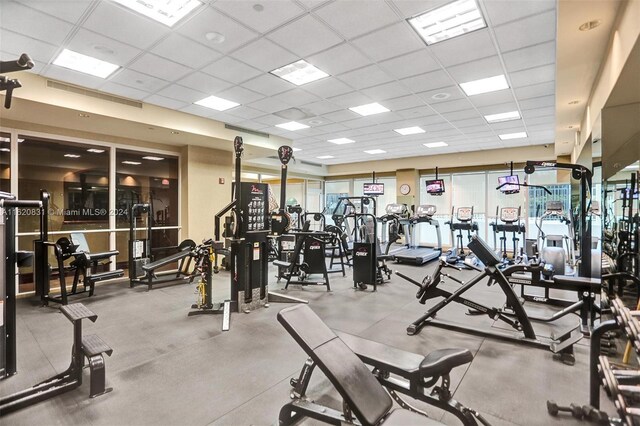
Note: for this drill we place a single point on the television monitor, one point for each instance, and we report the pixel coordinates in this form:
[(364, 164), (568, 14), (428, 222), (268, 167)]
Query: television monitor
[(435, 187), (511, 184), (626, 191), (373, 189)]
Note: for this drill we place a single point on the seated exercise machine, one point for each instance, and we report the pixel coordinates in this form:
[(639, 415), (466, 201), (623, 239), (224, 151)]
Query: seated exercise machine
[(413, 252), (368, 235), (346, 361), (508, 221), (90, 347), (143, 269), (561, 344), (557, 249), (464, 217)]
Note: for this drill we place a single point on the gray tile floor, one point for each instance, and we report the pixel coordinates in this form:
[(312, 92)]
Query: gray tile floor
[(171, 369)]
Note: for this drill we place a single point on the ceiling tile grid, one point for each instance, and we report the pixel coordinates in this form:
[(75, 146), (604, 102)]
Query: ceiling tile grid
[(370, 52)]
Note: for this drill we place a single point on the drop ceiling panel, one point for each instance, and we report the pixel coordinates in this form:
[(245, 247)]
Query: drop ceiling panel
[(273, 14), (389, 42), (211, 20), (240, 95), (232, 70), (351, 19), (305, 36), (499, 14), (430, 81), (403, 102), (16, 44), (369, 76), (539, 112), (536, 90), (124, 91), (123, 25), (460, 115), (526, 32), (493, 98), (529, 57), (104, 48), (409, 8), (159, 67), (198, 110), (350, 100), (73, 77), (543, 101), (533, 76), (264, 55), (269, 105), (320, 107), (296, 97), (245, 112), (333, 61), (21, 19), (409, 65), (204, 83), (268, 85), (138, 80), (184, 51), (181, 93), (386, 91), (341, 116), (69, 11), (327, 87), (165, 102), (443, 94), (482, 68), (456, 105), (472, 46)]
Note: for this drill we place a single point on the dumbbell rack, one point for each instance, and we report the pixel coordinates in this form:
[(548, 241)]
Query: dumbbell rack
[(620, 381)]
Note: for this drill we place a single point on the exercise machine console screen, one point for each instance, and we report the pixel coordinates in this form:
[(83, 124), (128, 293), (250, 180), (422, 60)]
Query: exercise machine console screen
[(509, 184), (435, 187), (372, 189)]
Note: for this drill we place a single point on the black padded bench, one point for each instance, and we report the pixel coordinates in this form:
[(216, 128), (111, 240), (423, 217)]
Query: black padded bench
[(182, 274), (363, 397)]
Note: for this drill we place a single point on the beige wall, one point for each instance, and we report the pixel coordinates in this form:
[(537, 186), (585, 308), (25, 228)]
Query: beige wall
[(202, 194)]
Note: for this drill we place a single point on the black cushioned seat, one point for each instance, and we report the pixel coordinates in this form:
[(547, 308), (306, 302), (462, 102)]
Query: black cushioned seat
[(403, 363), (100, 256), (93, 345), (166, 260), (568, 282)]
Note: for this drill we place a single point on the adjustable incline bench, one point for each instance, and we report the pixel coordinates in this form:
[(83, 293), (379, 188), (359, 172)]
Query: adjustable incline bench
[(365, 400), (182, 274)]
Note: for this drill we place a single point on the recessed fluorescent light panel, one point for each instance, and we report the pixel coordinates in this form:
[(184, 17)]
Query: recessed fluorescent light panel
[(132, 163), (485, 85), (324, 157), (95, 151), (436, 144), (505, 116), (369, 109), (72, 155), (5, 150), (167, 12), (292, 125), (217, 103), (84, 64), (341, 141), (508, 136), (375, 151), (409, 130), (152, 158), (299, 73), (449, 21)]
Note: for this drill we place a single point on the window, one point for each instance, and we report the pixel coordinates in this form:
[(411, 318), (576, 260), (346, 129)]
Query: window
[(314, 196), (497, 200), (152, 179)]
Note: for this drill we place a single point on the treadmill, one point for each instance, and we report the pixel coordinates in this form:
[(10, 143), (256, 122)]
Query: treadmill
[(414, 253)]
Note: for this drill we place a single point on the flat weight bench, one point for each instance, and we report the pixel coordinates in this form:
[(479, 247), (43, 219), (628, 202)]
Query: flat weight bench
[(90, 346), (364, 396), (181, 275)]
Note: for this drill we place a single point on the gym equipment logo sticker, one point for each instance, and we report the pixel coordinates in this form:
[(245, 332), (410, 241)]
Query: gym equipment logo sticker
[(256, 190), (362, 251)]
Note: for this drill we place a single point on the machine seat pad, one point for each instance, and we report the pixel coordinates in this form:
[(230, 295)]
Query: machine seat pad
[(109, 275), (577, 283), (149, 267), (102, 255), (93, 345), (402, 417), (282, 263), (406, 364), (77, 311)]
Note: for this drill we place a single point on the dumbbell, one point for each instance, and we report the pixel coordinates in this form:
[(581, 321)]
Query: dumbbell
[(576, 411), (592, 414)]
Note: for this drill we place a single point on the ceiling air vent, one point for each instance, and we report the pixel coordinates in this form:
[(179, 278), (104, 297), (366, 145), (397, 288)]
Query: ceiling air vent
[(242, 129), (306, 163), (93, 93)]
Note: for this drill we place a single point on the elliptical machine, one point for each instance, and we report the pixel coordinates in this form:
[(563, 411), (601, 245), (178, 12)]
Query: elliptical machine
[(510, 222), (464, 217), (557, 249)]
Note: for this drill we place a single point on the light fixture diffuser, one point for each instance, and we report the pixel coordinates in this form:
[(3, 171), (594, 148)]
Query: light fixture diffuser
[(375, 151), (167, 12), (72, 155), (5, 150), (324, 157), (369, 109), (292, 126), (485, 85), (216, 103), (95, 150), (341, 141), (409, 130), (84, 64), (152, 158), (132, 163), (518, 135), (299, 73), (435, 144), (448, 21), (504, 116)]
